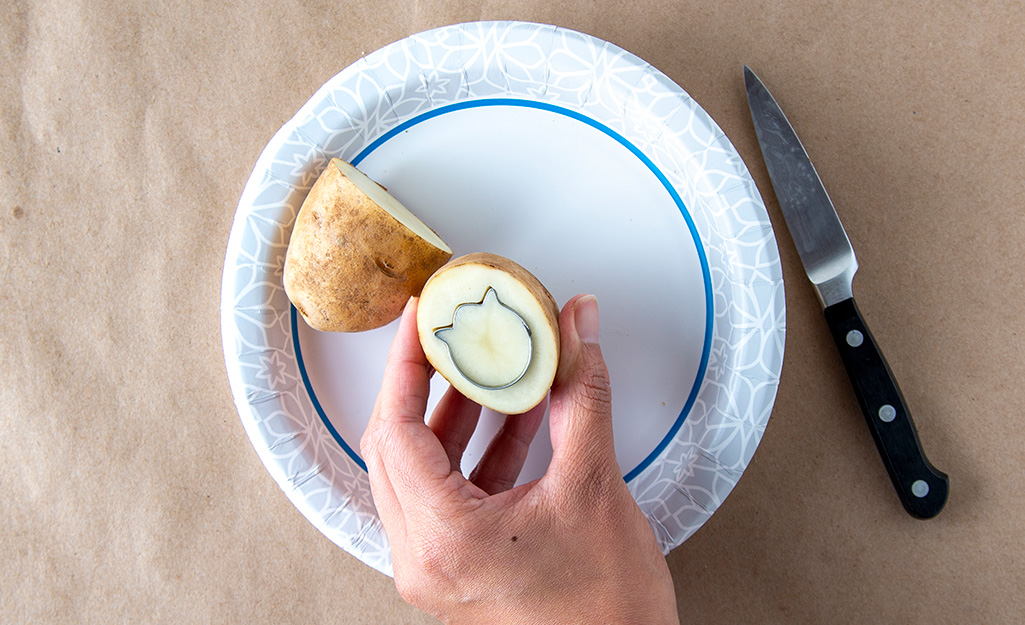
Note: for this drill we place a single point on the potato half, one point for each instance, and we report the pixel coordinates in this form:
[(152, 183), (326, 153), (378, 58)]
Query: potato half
[(356, 254), (492, 330)]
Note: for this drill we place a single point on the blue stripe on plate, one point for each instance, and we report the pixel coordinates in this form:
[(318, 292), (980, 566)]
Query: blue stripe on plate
[(705, 274), (313, 396)]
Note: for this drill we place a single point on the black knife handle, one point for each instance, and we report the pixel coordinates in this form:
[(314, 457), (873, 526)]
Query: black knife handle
[(921, 487)]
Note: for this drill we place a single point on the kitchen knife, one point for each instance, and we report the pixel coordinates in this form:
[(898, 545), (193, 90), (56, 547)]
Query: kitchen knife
[(829, 261)]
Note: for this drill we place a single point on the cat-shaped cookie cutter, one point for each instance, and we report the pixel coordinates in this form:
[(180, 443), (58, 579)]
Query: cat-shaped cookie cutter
[(459, 312)]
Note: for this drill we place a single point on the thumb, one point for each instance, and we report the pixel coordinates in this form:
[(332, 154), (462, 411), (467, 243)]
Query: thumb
[(580, 413)]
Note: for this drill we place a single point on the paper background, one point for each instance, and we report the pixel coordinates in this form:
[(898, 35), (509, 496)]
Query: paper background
[(129, 489)]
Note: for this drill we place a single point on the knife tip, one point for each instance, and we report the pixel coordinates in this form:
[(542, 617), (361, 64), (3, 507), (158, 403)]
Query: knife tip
[(749, 76)]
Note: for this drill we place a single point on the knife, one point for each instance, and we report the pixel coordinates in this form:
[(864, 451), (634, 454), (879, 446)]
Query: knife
[(829, 261)]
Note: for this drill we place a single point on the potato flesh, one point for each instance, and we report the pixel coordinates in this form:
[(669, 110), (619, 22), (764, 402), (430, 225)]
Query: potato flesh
[(460, 282), (385, 200), (489, 342)]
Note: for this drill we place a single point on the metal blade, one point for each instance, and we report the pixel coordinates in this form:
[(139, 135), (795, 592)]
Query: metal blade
[(821, 241)]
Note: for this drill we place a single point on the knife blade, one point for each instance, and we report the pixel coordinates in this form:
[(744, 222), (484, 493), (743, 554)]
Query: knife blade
[(829, 260)]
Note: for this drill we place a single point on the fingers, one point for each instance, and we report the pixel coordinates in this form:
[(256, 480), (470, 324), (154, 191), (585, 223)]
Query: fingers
[(503, 460), (453, 422), (580, 417), (387, 503), (405, 460), (406, 384)]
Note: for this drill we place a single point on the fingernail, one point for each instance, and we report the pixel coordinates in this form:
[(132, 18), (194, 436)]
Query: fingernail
[(585, 316)]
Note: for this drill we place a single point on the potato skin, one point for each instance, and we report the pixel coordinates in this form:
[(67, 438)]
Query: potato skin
[(350, 265)]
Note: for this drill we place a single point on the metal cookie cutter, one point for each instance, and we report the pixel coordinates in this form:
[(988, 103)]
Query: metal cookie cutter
[(461, 359)]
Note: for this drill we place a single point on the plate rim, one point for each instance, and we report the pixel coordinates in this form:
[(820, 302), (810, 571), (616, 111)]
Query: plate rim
[(667, 539)]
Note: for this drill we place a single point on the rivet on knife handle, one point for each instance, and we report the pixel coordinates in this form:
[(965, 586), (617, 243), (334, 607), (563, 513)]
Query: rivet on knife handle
[(922, 488)]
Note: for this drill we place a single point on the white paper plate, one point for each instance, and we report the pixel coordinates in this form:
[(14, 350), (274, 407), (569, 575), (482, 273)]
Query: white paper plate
[(581, 162)]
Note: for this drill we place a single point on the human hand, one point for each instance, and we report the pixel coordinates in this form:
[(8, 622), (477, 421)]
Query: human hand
[(569, 547)]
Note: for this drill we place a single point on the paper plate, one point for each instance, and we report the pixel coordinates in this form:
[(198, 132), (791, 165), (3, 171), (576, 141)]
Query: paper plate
[(579, 161)]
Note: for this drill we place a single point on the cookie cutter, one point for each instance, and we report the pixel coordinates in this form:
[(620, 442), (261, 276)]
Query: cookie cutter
[(457, 313)]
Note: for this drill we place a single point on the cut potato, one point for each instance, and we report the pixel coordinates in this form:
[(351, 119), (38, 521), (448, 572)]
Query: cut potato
[(356, 254), (492, 330)]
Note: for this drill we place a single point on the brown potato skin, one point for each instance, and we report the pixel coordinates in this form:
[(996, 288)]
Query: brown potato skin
[(350, 265)]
